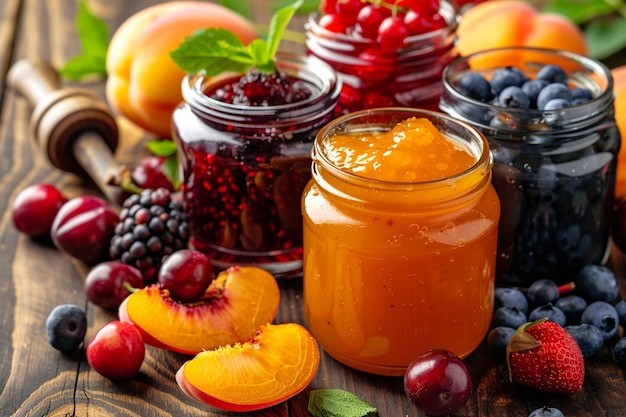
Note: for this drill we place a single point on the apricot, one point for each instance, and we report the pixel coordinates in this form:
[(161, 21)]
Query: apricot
[(619, 88), (237, 302), (273, 366), (507, 23), (143, 82)]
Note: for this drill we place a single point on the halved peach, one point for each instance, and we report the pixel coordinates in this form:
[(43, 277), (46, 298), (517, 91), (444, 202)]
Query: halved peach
[(237, 302), (273, 366)]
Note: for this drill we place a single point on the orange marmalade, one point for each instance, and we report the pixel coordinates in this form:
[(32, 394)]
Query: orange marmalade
[(400, 233)]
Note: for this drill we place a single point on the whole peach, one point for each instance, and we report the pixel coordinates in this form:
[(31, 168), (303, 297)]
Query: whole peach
[(506, 23), (143, 83), (619, 87)]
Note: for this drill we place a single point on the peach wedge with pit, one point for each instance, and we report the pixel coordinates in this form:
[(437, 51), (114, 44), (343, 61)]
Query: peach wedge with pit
[(237, 302), (274, 365)]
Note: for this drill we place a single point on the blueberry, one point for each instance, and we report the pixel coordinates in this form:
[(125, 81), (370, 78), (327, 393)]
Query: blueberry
[(621, 312), (589, 338), (532, 88), (513, 97), (552, 91), (552, 73), (508, 317), (602, 315), (474, 85), (546, 412), (505, 77), (66, 326), (556, 104), (580, 95), (619, 350), (549, 311), (498, 340), (597, 283), (572, 306), (510, 297), (542, 291)]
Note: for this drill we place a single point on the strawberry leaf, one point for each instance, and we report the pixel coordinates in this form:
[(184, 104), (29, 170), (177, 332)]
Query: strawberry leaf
[(338, 403)]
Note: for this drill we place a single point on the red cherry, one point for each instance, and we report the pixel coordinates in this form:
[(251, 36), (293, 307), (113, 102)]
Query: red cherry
[(149, 173), (374, 99), (83, 228), (187, 274), (105, 284), (438, 383), (369, 19), (328, 6), (349, 10), (350, 97), (34, 209), (333, 23), (418, 23), (427, 7), (116, 351), (391, 33)]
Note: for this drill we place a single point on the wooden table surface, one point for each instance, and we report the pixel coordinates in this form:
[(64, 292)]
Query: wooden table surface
[(36, 380)]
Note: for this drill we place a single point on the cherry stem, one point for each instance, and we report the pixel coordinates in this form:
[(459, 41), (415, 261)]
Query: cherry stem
[(129, 287), (565, 288)]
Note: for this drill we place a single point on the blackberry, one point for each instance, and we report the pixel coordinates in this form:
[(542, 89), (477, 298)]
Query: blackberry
[(259, 90), (151, 226)]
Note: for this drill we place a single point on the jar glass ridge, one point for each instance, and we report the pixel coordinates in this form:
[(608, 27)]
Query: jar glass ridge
[(554, 170), (243, 168), (394, 269)]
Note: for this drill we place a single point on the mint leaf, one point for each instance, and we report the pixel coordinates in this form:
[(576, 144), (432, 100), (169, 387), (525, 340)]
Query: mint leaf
[(94, 40), (214, 51), (163, 147), (338, 403), (307, 6), (168, 149)]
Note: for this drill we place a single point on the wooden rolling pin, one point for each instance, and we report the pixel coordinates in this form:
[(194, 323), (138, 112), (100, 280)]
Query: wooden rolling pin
[(72, 126)]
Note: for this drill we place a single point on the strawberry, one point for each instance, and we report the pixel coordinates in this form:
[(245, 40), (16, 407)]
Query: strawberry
[(543, 356)]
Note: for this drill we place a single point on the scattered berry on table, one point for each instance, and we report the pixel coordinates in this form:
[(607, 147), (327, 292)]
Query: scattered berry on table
[(546, 412), (116, 351), (34, 209), (508, 317), (619, 351), (597, 283), (498, 340), (550, 312), (589, 338), (603, 316), (620, 307), (106, 284), (151, 226), (572, 306), (66, 326), (186, 274), (541, 292), (510, 297)]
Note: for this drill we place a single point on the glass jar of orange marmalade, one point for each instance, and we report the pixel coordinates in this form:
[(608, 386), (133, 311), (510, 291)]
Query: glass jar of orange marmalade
[(400, 235)]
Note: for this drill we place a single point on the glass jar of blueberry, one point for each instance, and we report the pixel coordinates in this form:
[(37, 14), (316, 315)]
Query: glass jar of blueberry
[(244, 148), (549, 119), (388, 53)]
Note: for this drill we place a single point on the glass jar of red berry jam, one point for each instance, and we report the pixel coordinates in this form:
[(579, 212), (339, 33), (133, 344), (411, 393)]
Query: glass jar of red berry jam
[(400, 234), (549, 119), (376, 75), (244, 165)]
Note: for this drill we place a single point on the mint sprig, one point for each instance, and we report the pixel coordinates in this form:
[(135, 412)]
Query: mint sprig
[(214, 51), (338, 403)]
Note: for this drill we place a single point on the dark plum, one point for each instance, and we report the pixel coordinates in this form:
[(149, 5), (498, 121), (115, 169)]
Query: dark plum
[(34, 209), (186, 274), (107, 284), (83, 228), (438, 382), (66, 326)]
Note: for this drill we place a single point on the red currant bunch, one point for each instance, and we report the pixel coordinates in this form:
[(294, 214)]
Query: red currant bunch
[(387, 22)]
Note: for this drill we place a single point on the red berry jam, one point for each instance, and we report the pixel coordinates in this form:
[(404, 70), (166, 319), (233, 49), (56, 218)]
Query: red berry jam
[(245, 160), (386, 53)]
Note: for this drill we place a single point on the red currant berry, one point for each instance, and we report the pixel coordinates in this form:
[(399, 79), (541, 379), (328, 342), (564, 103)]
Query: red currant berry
[(391, 33), (106, 283), (149, 172), (116, 351), (333, 23), (369, 19), (34, 209), (186, 274)]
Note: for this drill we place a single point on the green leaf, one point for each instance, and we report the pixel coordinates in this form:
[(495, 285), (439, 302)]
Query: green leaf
[(338, 403), (605, 38), (580, 11), (307, 6), (93, 35), (170, 169), (163, 147), (278, 24), (238, 6)]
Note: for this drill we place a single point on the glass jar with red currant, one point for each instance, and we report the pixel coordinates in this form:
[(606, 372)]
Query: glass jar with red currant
[(244, 148), (388, 53), (549, 118)]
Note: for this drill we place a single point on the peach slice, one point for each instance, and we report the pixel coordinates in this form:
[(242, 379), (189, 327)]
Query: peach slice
[(237, 302), (273, 366)]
